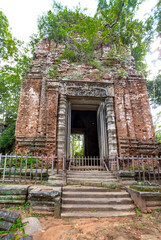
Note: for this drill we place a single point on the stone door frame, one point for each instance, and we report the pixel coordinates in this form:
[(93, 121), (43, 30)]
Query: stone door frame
[(63, 119), (85, 102)]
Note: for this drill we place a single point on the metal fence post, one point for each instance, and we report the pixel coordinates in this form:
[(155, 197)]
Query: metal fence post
[(0, 159), (157, 162), (118, 167), (4, 169), (57, 165), (142, 160), (52, 165)]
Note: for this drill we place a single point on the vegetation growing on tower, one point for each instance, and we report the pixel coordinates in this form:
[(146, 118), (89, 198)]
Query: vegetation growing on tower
[(114, 24)]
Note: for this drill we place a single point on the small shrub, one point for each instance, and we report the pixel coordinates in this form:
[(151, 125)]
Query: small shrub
[(69, 55)]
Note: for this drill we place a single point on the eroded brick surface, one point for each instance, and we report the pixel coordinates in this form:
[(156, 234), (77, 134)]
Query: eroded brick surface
[(50, 81)]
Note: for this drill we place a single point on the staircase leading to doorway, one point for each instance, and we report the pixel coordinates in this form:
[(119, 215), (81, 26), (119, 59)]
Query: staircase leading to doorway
[(95, 178), (81, 201), (87, 195)]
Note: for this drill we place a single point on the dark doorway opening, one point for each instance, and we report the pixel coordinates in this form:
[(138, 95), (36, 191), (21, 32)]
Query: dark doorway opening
[(84, 122)]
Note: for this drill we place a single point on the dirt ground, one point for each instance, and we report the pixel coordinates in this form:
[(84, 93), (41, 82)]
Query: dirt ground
[(137, 227), (142, 227)]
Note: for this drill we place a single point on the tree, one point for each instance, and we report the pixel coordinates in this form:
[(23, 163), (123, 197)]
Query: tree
[(124, 29), (154, 90), (157, 126), (114, 24), (154, 87), (7, 42), (157, 17), (15, 63)]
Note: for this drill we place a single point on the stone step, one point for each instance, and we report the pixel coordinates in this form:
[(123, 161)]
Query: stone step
[(97, 207), (12, 201), (79, 188), (94, 179), (43, 212), (55, 178), (111, 185), (155, 207), (86, 168), (99, 180), (89, 172), (12, 197), (13, 189), (42, 208), (94, 195), (153, 203), (96, 214), (81, 201), (41, 203), (86, 200), (94, 183), (55, 182), (91, 177)]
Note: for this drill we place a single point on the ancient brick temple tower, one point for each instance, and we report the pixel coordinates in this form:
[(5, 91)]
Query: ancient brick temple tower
[(108, 104)]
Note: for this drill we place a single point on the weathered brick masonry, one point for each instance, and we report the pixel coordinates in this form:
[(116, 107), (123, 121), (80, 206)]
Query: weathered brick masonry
[(51, 83)]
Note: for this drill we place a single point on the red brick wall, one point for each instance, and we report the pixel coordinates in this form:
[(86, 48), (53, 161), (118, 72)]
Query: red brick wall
[(135, 129), (36, 128)]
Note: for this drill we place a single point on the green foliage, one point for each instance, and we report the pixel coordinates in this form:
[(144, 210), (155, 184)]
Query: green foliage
[(18, 226), (25, 206), (158, 134), (77, 145), (7, 138), (69, 55), (53, 71), (37, 215), (113, 25), (95, 64), (124, 29), (10, 83), (7, 43), (157, 126), (20, 162), (157, 16), (138, 212), (121, 73), (154, 90), (15, 63)]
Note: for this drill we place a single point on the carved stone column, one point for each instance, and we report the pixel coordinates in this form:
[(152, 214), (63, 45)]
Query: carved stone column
[(111, 127), (42, 111), (51, 121), (61, 137)]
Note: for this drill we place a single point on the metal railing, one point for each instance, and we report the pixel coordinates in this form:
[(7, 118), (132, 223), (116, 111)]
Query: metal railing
[(28, 168), (146, 168), (85, 163), (36, 169)]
